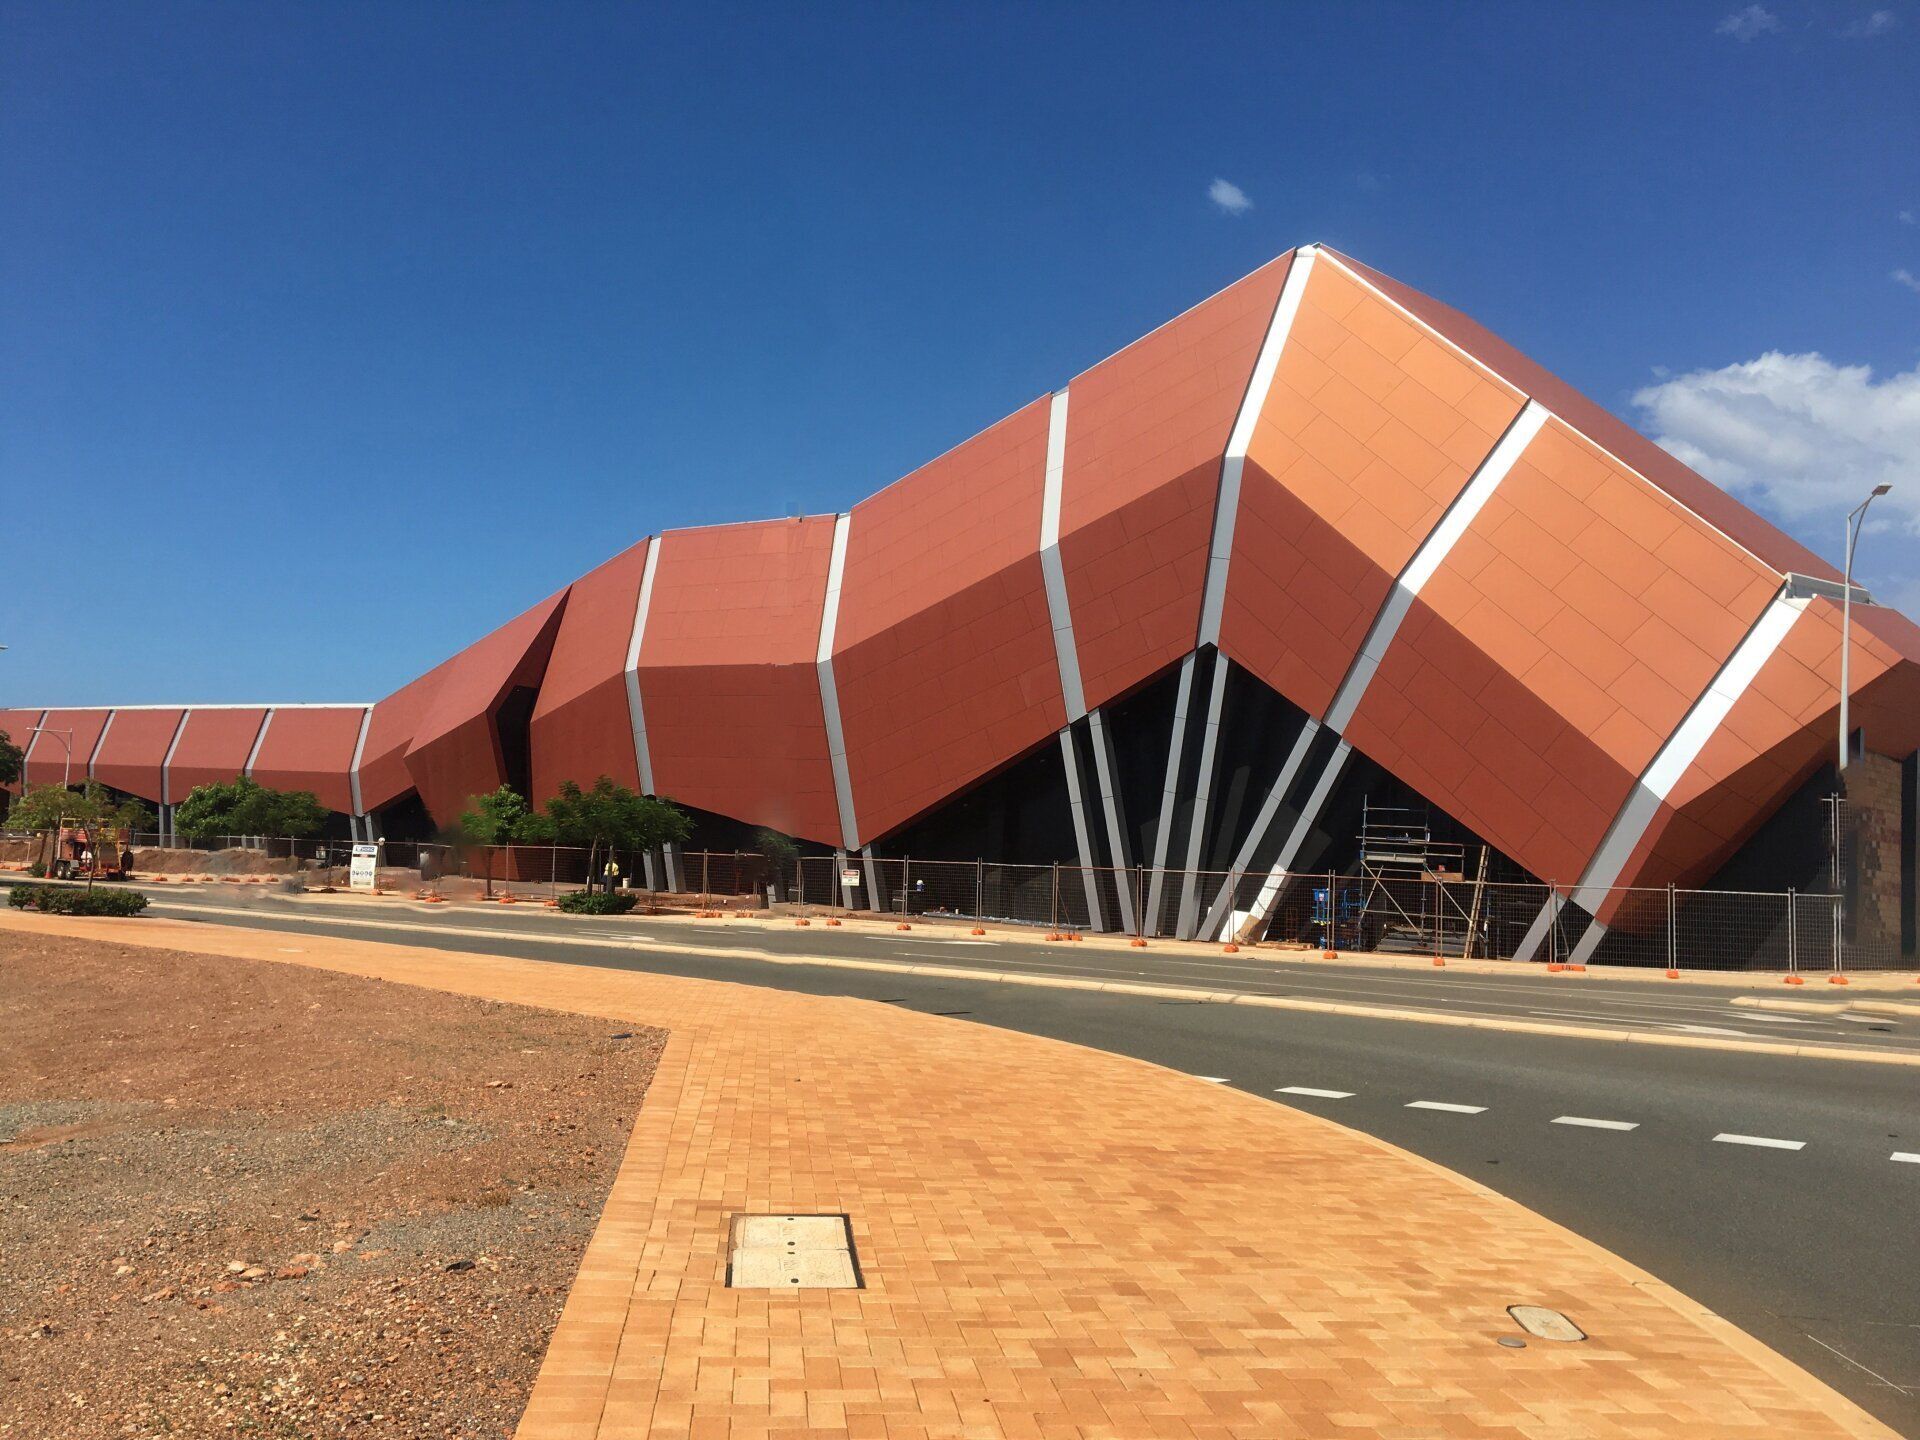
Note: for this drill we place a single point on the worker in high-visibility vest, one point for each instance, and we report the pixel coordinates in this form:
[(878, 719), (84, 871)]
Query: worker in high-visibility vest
[(612, 874)]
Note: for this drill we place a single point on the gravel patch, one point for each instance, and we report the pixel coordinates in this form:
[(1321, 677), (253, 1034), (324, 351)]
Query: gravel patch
[(261, 1200)]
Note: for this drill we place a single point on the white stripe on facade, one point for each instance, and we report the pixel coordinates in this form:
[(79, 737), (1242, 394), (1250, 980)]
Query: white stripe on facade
[(1674, 759), (829, 688), (636, 715), (1233, 464), (1454, 523), (1104, 766), (166, 764), (1425, 563), (1163, 826), (353, 771), (1081, 837), (100, 744), (259, 739), (1052, 572)]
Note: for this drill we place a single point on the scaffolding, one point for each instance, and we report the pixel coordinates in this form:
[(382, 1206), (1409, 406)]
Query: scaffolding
[(1416, 896)]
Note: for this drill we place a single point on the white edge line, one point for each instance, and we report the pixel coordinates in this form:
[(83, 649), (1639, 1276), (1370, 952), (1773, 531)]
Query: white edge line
[(1727, 1137), (1596, 1124), (1316, 1094), (1444, 1105)]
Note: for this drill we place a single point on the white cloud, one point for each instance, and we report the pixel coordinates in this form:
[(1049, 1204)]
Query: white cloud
[(1906, 277), (1370, 181), (1805, 439), (1878, 23), (1907, 217), (1229, 196), (1745, 24)]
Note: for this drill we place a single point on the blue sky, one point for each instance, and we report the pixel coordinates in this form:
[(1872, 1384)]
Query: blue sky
[(332, 336)]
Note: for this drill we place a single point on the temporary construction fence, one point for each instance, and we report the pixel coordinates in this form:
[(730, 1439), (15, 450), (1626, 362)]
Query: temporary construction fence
[(1443, 917), (1438, 917)]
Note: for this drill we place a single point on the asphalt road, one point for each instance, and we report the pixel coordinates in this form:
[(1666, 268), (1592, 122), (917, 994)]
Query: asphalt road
[(1770, 1188)]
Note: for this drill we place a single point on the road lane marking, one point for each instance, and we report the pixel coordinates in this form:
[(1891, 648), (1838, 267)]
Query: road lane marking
[(1213, 1079), (1443, 1105), (1327, 1094), (1907, 1156), (1709, 1030), (1728, 1138), (1596, 1124)]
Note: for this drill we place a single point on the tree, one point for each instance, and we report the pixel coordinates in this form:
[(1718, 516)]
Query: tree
[(500, 819), (11, 756), (246, 808), (91, 807), (613, 817), (781, 852)]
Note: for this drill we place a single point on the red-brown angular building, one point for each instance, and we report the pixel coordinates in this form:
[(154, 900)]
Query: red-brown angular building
[(1316, 546)]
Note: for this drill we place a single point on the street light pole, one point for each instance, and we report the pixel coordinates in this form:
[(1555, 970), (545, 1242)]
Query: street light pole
[(1856, 520)]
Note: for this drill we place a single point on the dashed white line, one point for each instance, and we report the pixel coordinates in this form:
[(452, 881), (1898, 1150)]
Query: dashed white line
[(1316, 1094), (1213, 1079), (1726, 1137), (1596, 1124), (1907, 1156), (1443, 1105)]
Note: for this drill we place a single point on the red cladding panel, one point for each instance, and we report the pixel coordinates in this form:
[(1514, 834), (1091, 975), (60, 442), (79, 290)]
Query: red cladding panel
[(213, 749), (130, 757), (311, 749), (1705, 499), (1780, 730), (944, 662), (384, 776), (581, 728), (1372, 428), (47, 763), (456, 752), (1554, 651), (1145, 434), (727, 677)]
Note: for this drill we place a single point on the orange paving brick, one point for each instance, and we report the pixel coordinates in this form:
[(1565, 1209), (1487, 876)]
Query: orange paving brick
[(1055, 1242)]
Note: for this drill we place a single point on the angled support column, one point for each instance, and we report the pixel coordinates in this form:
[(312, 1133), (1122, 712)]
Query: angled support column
[(353, 774), (94, 754), (166, 781), (1082, 839), (1169, 793), (1202, 798), (1105, 766)]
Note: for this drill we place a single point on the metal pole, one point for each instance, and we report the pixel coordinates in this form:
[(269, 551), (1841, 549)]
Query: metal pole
[(1793, 938), (1056, 895), (1673, 947), (979, 888)]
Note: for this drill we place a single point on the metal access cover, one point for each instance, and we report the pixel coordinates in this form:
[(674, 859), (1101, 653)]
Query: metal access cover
[(791, 1252), (1545, 1324)]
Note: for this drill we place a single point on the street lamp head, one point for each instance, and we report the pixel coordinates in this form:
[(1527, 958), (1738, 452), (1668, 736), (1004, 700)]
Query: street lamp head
[(1881, 489)]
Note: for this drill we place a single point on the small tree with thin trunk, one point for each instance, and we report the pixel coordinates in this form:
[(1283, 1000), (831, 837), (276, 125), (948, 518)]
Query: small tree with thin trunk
[(500, 819), (612, 817)]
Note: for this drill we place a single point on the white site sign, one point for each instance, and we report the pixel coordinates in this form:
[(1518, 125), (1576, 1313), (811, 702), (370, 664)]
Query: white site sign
[(850, 878), (361, 873)]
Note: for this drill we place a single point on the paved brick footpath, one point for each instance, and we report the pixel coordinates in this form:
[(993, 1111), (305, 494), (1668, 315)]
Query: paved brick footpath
[(1056, 1242)]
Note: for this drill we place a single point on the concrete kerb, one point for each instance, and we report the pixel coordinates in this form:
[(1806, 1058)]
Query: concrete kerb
[(1122, 987)]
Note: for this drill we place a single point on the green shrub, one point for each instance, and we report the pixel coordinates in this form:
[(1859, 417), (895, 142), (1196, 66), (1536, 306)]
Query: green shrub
[(37, 870), (59, 900), (598, 902)]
